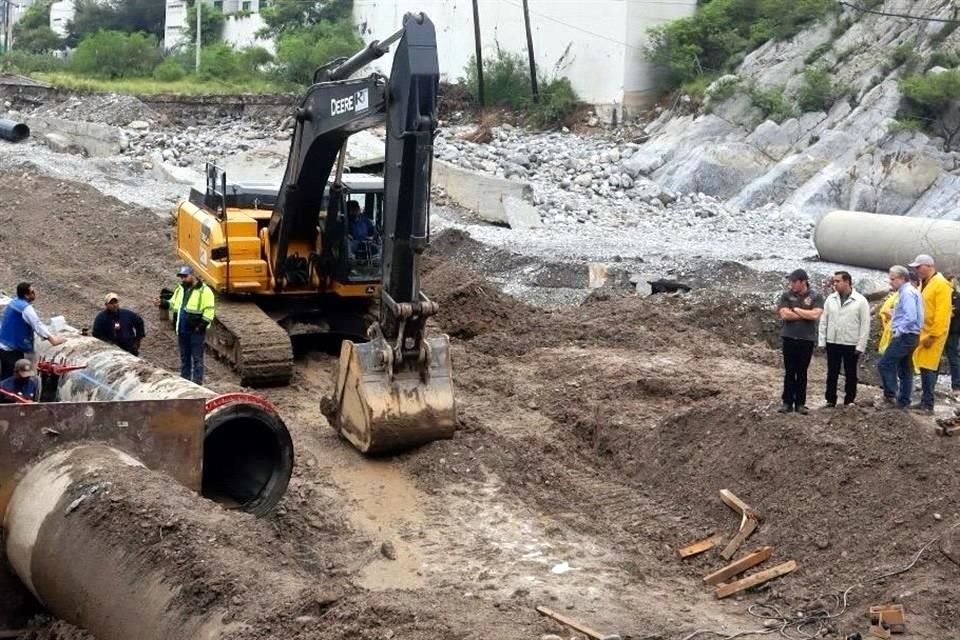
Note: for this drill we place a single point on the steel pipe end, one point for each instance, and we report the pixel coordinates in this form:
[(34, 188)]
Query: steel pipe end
[(247, 454)]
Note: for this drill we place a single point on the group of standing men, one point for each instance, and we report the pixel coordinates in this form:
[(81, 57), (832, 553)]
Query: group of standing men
[(191, 306), (919, 319)]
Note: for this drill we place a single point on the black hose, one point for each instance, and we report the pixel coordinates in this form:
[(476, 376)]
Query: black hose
[(13, 131)]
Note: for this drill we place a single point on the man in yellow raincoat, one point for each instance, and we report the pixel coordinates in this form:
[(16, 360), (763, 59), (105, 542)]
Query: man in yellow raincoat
[(937, 309)]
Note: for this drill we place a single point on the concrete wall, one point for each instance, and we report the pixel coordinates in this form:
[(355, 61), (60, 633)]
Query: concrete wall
[(597, 44), (241, 32), (61, 13)]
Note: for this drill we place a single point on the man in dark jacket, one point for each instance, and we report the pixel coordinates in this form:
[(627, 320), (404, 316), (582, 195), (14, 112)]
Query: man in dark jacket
[(121, 327)]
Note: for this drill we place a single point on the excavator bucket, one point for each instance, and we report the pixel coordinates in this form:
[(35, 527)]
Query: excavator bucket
[(381, 412)]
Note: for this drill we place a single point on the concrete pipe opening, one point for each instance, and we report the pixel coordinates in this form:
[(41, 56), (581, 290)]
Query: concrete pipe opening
[(247, 458)]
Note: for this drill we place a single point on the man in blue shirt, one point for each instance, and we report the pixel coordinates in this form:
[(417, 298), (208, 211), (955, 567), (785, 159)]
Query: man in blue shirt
[(361, 228), (121, 327), (896, 364), (20, 323), (21, 384)]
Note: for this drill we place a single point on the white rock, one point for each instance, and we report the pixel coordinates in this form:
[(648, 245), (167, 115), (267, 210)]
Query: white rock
[(138, 125)]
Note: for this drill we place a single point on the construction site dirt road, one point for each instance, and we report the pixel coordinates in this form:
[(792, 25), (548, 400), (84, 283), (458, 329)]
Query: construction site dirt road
[(593, 442)]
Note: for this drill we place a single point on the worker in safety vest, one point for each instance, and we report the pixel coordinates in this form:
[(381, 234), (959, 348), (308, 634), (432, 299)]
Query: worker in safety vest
[(20, 322), (192, 307)]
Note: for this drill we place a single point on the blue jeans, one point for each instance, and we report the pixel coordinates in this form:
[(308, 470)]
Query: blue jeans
[(928, 381), (953, 357), (191, 356), (896, 364)]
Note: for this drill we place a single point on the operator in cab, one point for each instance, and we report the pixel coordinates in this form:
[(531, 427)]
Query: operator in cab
[(361, 228), (121, 327), (22, 383), (192, 305)]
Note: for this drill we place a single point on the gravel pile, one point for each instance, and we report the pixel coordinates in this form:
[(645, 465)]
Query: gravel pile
[(578, 180), (115, 110)]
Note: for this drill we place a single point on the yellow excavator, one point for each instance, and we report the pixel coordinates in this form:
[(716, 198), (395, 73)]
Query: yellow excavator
[(334, 253)]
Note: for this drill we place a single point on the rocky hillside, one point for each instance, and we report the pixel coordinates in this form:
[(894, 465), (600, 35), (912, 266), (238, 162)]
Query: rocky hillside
[(751, 144)]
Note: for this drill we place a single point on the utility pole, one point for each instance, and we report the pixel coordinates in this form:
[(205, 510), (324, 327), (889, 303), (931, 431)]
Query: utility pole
[(5, 19), (534, 90), (479, 55), (199, 4)]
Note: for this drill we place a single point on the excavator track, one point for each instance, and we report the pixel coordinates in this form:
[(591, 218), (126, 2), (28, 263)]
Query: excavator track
[(255, 346)]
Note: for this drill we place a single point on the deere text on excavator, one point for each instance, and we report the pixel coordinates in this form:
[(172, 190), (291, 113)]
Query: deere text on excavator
[(285, 263)]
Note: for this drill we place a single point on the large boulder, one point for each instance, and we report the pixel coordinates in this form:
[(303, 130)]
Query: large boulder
[(892, 180), (776, 140), (677, 137), (719, 169), (941, 200)]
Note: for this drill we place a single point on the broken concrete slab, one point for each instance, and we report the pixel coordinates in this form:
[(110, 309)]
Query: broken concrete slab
[(489, 197), (95, 139), (61, 144)]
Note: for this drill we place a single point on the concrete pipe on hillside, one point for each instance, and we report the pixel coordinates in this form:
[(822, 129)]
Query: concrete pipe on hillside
[(247, 450), (67, 534), (880, 241), (13, 131)]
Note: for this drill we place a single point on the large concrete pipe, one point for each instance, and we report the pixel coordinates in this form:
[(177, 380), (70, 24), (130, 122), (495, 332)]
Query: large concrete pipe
[(880, 241), (68, 538), (13, 131), (247, 450)]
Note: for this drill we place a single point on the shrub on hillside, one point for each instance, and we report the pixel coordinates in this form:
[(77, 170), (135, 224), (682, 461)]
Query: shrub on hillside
[(772, 103), (558, 102), (934, 99), (23, 62), (114, 54), (722, 31), (506, 79), (817, 93)]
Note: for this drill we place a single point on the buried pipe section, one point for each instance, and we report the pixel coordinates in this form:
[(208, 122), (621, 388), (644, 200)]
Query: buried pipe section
[(247, 450), (68, 548), (13, 131)]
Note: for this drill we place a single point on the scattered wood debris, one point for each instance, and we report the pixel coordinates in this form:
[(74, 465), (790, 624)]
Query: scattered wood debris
[(887, 619), (731, 588), (698, 547), (573, 624), (749, 521), (739, 566)]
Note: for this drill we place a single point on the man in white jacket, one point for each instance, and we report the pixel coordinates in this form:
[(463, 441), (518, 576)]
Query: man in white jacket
[(844, 330)]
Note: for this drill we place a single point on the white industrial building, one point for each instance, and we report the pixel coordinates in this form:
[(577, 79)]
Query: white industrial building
[(240, 29), (597, 44)]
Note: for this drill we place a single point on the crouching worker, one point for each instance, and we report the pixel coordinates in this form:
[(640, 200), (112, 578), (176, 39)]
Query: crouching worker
[(192, 306), (22, 384)]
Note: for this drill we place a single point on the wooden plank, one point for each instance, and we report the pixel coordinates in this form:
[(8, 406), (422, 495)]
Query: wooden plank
[(736, 568), (570, 622), (746, 530), (726, 590), (738, 505), (698, 547)]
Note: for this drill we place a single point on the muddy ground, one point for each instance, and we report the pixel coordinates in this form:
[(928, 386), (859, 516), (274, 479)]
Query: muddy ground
[(593, 441)]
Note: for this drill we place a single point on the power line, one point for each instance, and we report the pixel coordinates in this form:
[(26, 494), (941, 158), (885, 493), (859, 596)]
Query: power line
[(906, 16)]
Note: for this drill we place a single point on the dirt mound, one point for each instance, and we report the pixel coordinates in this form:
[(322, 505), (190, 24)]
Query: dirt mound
[(116, 110)]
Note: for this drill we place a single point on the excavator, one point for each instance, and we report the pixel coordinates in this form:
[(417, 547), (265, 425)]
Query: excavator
[(285, 264)]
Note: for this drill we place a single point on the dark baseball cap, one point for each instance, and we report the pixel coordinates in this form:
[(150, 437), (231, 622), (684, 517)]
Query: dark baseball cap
[(798, 274)]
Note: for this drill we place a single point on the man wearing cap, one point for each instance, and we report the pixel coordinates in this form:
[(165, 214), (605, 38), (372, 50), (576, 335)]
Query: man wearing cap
[(191, 306), (906, 322), (844, 330), (20, 323), (21, 384), (937, 297), (121, 327), (799, 308)]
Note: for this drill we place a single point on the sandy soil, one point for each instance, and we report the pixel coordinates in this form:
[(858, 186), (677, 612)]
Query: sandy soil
[(593, 442)]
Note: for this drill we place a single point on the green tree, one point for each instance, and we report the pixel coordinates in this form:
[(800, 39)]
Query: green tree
[(934, 99), (117, 15), (283, 16), (300, 52), (817, 93), (211, 25), (115, 54), (33, 33)]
